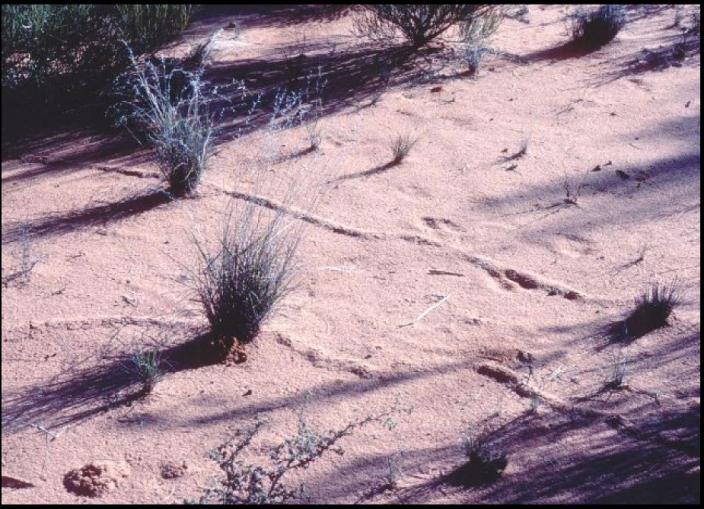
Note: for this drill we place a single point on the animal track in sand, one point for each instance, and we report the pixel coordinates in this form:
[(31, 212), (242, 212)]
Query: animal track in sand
[(129, 173), (504, 276), (441, 223), (320, 359), (572, 246)]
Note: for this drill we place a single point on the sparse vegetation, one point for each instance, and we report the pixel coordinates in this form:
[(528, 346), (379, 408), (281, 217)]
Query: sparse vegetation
[(146, 367), (401, 145), (473, 56), (393, 473), (617, 376), (264, 482), (594, 29), (417, 23), (486, 462), (572, 192), (28, 260), (474, 36)]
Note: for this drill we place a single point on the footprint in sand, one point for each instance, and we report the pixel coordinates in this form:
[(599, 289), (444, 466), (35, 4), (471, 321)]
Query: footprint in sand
[(572, 246), (442, 224)]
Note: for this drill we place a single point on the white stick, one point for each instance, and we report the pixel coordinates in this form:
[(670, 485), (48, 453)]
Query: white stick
[(420, 317)]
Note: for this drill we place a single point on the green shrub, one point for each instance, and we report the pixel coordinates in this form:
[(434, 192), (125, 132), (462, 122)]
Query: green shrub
[(56, 57)]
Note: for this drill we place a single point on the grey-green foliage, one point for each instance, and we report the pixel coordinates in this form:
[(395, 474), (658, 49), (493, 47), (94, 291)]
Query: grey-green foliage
[(417, 23), (264, 482), (168, 108), (146, 367), (486, 460), (474, 36), (27, 261)]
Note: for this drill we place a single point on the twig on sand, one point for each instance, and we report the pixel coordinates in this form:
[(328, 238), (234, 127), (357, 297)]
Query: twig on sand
[(420, 317)]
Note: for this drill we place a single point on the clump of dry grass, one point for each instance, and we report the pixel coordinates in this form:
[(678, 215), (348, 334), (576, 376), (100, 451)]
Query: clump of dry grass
[(401, 145), (594, 29), (652, 310), (168, 109), (240, 281)]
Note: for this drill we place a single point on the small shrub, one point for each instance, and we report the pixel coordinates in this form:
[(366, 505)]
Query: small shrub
[(264, 483), (393, 473), (251, 269), (592, 30), (652, 310), (146, 367), (168, 109), (28, 260), (617, 376), (473, 56), (474, 35), (418, 23), (572, 192), (486, 462), (400, 147)]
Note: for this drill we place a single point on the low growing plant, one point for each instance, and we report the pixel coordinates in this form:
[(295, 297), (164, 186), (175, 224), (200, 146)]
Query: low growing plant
[(594, 29), (417, 23), (401, 145), (264, 482), (652, 310), (146, 367)]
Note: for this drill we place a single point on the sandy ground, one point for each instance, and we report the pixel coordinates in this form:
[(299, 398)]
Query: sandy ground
[(531, 281)]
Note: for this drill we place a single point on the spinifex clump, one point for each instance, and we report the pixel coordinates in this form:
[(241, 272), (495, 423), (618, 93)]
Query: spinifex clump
[(653, 308), (242, 279)]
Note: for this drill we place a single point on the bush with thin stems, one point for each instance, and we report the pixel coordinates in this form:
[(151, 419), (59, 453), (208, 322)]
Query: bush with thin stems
[(401, 145), (593, 29), (168, 109), (419, 24), (240, 281), (265, 481)]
